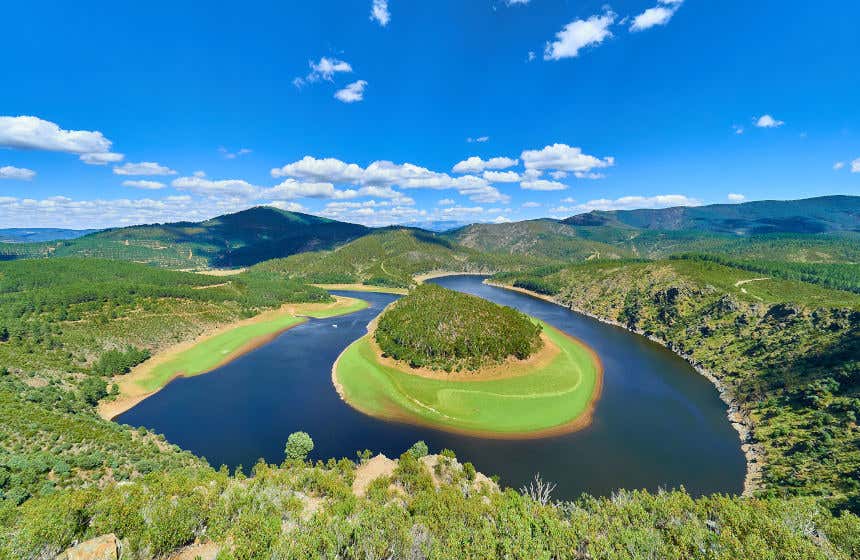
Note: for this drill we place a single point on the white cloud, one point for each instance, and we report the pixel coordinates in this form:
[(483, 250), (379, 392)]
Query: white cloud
[(735, 197), (501, 176), (542, 185), (855, 166), (767, 121), (33, 133), (738, 129), (325, 69), (531, 56), (351, 93), (557, 175), (517, 2), (17, 173), (531, 204), (479, 139), (288, 206), (838, 165), (199, 173), (62, 211), (446, 202), (143, 168), (233, 155), (463, 210), (579, 34), (291, 188), (223, 188), (389, 174), (379, 12), (150, 185), (658, 15), (561, 157), (636, 202), (475, 164), (568, 200), (501, 220), (101, 158)]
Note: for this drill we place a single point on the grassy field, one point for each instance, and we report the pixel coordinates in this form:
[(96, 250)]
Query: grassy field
[(551, 399)]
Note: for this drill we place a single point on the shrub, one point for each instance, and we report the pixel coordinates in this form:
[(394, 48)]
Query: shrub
[(299, 444), (419, 449)]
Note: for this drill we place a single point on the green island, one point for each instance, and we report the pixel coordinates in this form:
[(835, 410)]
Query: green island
[(484, 368)]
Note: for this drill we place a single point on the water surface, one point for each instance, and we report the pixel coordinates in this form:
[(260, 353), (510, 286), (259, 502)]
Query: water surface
[(658, 423)]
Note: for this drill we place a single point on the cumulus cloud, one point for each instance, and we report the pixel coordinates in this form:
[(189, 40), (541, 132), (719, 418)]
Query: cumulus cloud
[(446, 202), (735, 197), (579, 34), (501, 176), (62, 211), (352, 93), (379, 12), (33, 133), (531, 204), (475, 164), (479, 139), (838, 165), (143, 168), (635, 202), (325, 69), (767, 121), (149, 185), (17, 173), (738, 129), (542, 185), (517, 2), (561, 157), (220, 188), (658, 15), (855, 166), (287, 205), (101, 158), (388, 174)]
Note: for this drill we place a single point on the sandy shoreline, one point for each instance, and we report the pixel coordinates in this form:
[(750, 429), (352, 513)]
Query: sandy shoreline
[(738, 419), (131, 393)]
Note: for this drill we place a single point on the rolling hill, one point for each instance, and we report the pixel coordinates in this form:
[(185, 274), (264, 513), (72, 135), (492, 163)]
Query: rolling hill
[(240, 239), (35, 235), (811, 215)]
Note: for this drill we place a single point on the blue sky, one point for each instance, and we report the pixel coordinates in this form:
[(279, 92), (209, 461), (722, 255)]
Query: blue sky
[(123, 113)]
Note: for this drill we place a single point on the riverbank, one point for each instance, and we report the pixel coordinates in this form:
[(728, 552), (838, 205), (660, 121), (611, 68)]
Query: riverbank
[(363, 288), (553, 394), (215, 348), (738, 418)]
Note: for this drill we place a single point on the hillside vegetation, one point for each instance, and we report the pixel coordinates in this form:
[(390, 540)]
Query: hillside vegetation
[(438, 328), (391, 257), (67, 326), (420, 507), (232, 240), (788, 353)]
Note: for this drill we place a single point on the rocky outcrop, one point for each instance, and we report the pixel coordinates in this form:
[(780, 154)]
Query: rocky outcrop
[(105, 547)]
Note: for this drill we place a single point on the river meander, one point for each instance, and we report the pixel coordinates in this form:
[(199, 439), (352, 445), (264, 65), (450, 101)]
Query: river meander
[(658, 423)]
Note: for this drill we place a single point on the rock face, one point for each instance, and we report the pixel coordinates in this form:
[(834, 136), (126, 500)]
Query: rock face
[(105, 547)]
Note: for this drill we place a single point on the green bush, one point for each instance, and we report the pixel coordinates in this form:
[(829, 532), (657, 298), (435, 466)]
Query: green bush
[(299, 444)]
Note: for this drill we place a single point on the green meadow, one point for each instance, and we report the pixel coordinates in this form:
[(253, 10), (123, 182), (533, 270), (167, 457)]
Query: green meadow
[(212, 352), (560, 393)]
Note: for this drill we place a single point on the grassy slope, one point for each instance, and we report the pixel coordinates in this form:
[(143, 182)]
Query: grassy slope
[(390, 258), (545, 398), (210, 353), (787, 351)]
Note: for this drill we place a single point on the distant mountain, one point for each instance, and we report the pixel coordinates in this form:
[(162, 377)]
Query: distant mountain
[(232, 240), (811, 215), (437, 225), (35, 235)]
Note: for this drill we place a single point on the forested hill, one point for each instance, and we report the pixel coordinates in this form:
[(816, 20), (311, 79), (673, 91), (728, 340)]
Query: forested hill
[(240, 239), (811, 215)]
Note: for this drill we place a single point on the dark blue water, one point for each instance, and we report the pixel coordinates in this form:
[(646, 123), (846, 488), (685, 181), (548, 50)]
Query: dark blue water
[(658, 423)]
